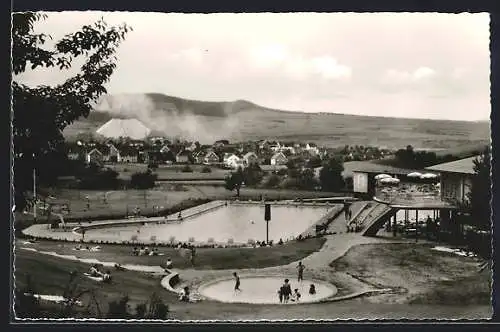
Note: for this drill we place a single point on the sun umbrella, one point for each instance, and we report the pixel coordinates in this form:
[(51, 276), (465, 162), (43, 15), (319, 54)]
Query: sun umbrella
[(414, 175), (428, 176), (389, 180), (382, 176)]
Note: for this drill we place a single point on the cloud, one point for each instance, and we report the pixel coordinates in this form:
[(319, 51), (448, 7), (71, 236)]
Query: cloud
[(402, 77), (422, 73), (276, 57), (344, 62)]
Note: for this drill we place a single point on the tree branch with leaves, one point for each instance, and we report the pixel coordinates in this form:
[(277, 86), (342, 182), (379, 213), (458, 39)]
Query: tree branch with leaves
[(41, 113)]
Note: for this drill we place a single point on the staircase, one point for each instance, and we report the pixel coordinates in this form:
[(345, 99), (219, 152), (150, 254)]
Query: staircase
[(377, 218)]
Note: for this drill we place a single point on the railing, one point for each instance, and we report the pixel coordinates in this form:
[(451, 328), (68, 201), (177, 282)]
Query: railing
[(407, 197)]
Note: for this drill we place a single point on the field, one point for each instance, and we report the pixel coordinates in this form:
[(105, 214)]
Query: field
[(246, 121)]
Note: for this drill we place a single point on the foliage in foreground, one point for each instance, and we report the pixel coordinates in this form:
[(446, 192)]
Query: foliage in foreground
[(41, 113), (29, 306)]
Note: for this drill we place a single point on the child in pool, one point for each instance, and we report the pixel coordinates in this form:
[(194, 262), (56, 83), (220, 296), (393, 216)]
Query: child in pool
[(312, 289), (237, 282), (296, 295)]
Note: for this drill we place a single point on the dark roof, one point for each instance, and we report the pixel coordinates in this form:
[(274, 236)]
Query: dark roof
[(372, 167), (128, 151), (463, 166), (184, 153)]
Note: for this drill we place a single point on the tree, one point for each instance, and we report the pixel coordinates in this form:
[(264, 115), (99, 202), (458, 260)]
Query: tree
[(234, 181), (143, 180), (314, 162), (330, 176), (480, 194), (252, 175), (41, 113), (307, 180)]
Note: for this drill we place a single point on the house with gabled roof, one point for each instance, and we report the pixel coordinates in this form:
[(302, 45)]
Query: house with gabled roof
[(95, 157), (183, 156), (129, 154), (279, 159), (211, 158), (198, 157)]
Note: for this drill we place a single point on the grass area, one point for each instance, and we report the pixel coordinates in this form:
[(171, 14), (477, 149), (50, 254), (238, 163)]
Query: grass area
[(171, 172), (424, 275), (206, 258), (50, 275), (165, 196)]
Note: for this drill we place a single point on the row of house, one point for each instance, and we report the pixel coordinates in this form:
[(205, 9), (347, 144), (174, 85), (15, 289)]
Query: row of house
[(160, 150), (293, 149)]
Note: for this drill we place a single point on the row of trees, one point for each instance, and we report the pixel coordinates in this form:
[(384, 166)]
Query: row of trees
[(409, 158), (294, 177)]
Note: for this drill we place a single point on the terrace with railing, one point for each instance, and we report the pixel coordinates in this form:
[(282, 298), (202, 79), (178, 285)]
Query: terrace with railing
[(412, 195)]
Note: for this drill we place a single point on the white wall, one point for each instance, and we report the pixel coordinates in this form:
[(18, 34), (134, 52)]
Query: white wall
[(360, 182)]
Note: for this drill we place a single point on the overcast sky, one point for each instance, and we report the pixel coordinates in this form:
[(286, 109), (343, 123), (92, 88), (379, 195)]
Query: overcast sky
[(427, 65)]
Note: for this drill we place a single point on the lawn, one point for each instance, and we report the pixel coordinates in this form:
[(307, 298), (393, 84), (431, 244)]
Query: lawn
[(423, 276), (116, 203), (206, 258), (50, 275)]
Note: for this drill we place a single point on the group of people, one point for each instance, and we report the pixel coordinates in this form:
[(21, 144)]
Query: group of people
[(94, 272), (285, 293), (145, 251)]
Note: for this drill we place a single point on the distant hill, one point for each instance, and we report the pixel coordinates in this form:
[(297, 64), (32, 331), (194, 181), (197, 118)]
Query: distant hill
[(244, 120)]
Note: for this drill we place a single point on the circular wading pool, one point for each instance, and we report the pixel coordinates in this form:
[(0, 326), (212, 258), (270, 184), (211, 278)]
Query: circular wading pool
[(263, 290)]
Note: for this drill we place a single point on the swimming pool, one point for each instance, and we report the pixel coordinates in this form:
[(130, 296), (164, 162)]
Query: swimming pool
[(264, 290), (238, 223)]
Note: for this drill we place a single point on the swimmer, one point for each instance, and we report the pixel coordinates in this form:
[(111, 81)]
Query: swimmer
[(251, 221)]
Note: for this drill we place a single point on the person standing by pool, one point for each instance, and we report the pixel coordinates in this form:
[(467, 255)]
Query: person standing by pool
[(193, 254), (287, 291), (300, 269), (236, 282)]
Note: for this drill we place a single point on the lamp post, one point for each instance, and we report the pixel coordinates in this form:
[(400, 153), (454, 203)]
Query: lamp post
[(267, 217), (34, 189)]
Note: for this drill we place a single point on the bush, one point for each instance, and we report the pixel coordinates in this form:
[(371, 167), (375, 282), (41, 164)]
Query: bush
[(187, 169), (206, 169), (272, 181), (153, 166), (154, 309), (143, 180), (118, 309), (98, 179), (282, 171)]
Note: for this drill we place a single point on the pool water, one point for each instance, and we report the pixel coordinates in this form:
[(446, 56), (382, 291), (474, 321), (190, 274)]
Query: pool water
[(264, 290), (240, 223)]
